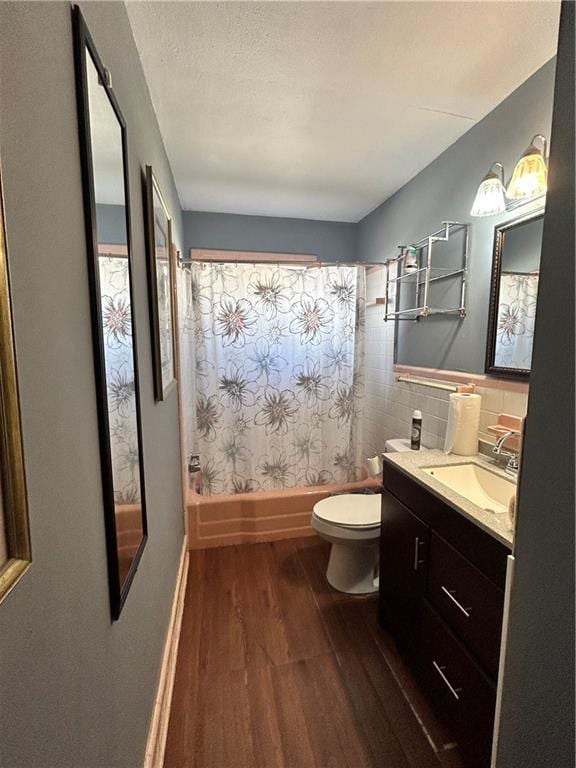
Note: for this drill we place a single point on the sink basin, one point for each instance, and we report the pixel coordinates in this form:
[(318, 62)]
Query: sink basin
[(488, 490)]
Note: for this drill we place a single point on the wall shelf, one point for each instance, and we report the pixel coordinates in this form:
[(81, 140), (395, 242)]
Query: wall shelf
[(426, 272)]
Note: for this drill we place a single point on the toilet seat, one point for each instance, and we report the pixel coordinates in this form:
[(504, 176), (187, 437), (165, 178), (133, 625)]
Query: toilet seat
[(350, 510), (351, 523)]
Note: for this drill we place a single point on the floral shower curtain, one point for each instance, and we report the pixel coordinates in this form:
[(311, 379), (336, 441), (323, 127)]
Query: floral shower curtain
[(272, 358), (516, 317), (118, 354)]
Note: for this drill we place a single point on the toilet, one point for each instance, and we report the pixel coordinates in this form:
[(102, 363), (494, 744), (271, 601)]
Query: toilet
[(351, 523)]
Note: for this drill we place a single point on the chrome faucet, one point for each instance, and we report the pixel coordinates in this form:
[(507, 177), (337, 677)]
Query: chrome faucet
[(511, 458)]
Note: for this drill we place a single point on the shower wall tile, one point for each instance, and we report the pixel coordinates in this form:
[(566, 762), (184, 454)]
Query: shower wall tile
[(492, 399), (514, 404), (389, 404)]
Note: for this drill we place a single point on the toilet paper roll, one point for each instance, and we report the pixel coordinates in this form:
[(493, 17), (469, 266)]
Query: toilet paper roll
[(463, 424)]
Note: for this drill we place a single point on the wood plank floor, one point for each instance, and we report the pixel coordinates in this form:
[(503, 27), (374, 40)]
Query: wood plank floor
[(277, 670)]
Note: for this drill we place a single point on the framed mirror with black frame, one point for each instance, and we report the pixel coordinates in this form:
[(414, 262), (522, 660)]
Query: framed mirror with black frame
[(104, 155), (514, 295)]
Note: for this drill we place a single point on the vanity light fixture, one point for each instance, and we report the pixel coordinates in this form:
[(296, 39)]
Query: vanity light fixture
[(530, 175), (489, 198)]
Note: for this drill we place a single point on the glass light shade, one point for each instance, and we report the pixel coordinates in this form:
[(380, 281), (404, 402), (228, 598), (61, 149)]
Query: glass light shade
[(489, 199), (530, 176)]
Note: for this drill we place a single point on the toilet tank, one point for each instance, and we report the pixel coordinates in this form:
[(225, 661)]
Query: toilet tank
[(397, 445)]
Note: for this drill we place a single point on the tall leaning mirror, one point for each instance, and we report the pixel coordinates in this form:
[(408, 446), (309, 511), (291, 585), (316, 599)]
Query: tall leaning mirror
[(15, 555), (513, 296), (107, 216)]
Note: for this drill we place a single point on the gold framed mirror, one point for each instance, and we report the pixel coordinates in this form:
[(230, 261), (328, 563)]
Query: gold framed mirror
[(15, 552)]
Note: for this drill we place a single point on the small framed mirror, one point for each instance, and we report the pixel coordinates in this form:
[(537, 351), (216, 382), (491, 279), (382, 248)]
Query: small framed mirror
[(514, 296), (107, 215), (160, 281)]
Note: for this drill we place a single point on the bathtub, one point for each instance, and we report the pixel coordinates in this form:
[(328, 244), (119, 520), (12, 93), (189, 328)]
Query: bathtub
[(217, 521)]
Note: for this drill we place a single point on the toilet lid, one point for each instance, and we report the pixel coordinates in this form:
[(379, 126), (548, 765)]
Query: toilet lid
[(350, 509)]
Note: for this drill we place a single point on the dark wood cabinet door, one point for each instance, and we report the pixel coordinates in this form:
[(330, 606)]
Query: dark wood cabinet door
[(404, 546)]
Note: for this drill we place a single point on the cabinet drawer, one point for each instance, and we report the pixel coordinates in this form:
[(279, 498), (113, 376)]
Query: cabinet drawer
[(460, 692), (469, 602)]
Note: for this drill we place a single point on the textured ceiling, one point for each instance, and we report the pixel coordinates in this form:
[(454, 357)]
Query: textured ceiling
[(323, 110)]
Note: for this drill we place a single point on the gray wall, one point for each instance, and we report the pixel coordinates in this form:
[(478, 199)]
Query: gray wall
[(111, 223), (537, 727), (445, 190), (328, 240), (77, 691), (523, 247)]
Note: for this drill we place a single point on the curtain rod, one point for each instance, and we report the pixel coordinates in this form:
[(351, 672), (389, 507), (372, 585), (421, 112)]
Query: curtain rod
[(186, 262)]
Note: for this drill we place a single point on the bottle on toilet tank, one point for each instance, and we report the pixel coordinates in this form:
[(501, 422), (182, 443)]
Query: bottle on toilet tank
[(416, 434)]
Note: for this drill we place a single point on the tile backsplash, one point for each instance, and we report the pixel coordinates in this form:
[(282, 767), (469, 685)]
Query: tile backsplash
[(389, 404)]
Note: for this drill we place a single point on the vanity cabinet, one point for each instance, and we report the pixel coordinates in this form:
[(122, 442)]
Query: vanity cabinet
[(441, 597)]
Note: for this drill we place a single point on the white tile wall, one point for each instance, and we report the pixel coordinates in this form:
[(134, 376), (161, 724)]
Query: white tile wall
[(389, 404)]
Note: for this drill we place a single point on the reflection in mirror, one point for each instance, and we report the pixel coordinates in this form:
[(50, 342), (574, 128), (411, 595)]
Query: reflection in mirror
[(515, 272), (114, 339)]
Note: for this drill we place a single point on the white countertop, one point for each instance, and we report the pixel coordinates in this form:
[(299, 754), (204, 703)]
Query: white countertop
[(413, 462)]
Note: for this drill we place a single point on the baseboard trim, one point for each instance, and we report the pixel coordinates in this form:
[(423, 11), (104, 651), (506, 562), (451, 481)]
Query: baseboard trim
[(156, 745)]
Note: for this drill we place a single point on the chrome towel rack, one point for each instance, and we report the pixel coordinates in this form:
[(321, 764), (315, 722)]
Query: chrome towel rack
[(426, 272)]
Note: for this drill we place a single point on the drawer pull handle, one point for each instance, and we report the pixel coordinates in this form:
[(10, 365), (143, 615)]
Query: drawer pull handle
[(450, 594), (417, 561), (453, 691)]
